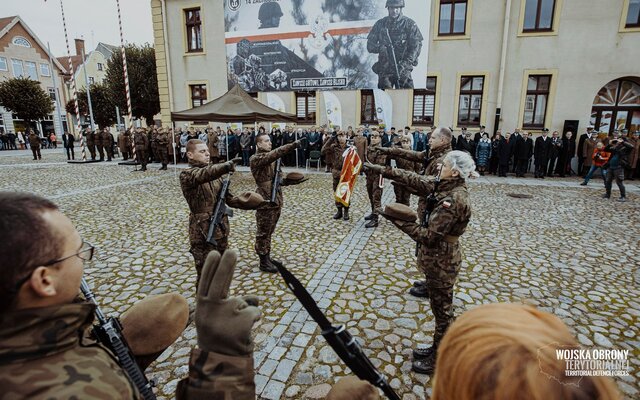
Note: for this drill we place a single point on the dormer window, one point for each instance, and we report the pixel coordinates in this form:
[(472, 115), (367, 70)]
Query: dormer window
[(20, 41)]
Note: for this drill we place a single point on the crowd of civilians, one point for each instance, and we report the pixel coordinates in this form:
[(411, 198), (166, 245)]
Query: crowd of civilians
[(20, 141)]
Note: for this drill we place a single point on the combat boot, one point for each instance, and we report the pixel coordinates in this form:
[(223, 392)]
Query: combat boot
[(424, 365), (345, 216), (419, 291), (369, 217), (266, 265), (338, 215), (275, 263), (373, 222)]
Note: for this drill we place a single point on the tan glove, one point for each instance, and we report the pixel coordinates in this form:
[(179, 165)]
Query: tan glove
[(223, 323), (230, 165), (373, 167), (352, 388)]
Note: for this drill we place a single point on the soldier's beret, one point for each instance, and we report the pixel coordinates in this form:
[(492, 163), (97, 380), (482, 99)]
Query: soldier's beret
[(155, 322), (248, 201), (400, 212)]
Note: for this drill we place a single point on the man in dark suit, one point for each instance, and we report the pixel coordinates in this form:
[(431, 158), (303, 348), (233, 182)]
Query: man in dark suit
[(541, 153), (479, 134), (67, 140), (419, 140), (516, 138), (581, 142), (554, 152), (566, 155), (387, 138), (522, 154)]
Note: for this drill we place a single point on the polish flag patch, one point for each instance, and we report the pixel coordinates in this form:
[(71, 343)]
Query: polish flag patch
[(446, 204)]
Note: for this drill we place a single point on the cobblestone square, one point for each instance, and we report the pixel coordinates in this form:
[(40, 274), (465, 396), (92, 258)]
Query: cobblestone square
[(566, 250)]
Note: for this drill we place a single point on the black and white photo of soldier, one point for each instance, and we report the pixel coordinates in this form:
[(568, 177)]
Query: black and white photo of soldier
[(397, 41)]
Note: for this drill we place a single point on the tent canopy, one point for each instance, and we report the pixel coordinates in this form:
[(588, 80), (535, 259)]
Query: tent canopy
[(234, 106)]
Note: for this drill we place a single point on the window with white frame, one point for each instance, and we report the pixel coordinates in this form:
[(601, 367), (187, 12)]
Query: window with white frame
[(18, 68), (92, 80), (20, 41), (52, 94), (3, 64), (99, 66), (45, 70), (31, 69)]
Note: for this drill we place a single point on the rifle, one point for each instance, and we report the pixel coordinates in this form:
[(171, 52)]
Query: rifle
[(219, 211), (345, 345), (108, 331), (395, 60), (432, 201), (276, 181)]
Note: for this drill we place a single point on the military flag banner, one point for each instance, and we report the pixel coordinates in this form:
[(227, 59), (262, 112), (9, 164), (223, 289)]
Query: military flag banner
[(285, 45), (333, 109), (350, 170)]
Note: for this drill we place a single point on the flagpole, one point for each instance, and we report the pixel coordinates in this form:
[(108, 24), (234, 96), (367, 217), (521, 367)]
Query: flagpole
[(126, 78)]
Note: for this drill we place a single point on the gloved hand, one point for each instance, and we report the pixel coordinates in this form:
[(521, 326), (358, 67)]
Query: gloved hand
[(381, 150), (373, 167), (223, 323), (231, 164), (350, 387)]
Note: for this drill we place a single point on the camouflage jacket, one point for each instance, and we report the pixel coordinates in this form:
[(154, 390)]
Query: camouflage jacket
[(406, 40), (107, 139), (45, 354), (91, 139), (374, 157), (449, 218), (263, 169), (201, 186), (162, 139), (140, 140), (34, 140), (335, 150)]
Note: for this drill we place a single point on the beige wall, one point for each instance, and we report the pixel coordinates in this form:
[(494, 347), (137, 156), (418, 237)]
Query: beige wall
[(587, 49), (94, 58)]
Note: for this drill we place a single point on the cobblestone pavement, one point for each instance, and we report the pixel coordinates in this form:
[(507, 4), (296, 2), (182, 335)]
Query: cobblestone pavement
[(565, 250)]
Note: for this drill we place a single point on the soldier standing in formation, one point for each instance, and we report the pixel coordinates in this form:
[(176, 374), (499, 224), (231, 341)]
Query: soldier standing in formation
[(267, 215), (201, 185), (141, 142), (374, 179), (397, 41), (336, 145), (91, 142), (34, 143), (162, 147), (439, 146), (124, 144), (107, 143), (99, 144), (402, 192), (439, 256)]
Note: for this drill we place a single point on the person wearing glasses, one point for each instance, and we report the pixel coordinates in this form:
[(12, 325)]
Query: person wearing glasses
[(46, 350)]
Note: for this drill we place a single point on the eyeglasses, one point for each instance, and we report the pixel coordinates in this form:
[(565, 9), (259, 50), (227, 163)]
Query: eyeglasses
[(85, 253)]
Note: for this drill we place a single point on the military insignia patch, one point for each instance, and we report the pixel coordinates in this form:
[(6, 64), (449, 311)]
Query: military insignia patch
[(446, 204)]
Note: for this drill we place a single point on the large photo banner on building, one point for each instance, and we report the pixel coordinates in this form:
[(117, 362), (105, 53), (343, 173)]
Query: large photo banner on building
[(284, 45)]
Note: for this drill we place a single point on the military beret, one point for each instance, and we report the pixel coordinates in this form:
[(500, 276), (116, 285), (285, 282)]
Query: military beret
[(248, 201), (400, 212), (293, 178), (155, 322)]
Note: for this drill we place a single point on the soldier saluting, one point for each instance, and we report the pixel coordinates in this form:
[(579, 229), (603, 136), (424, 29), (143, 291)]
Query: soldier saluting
[(267, 215), (397, 41)]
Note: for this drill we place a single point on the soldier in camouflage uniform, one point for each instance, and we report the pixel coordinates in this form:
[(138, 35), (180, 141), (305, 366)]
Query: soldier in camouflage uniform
[(336, 146), (374, 189), (153, 140), (397, 41), (46, 351), (262, 166), (141, 143), (439, 255), (99, 145), (162, 147), (107, 142), (124, 144), (403, 194), (90, 137)]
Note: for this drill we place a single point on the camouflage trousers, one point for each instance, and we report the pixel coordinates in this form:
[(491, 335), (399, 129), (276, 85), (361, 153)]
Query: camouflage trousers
[(374, 191), (391, 81), (336, 181), (403, 196), (440, 265), (92, 150), (141, 156), (200, 248), (109, 151), (266, 221), (163, 155), (100, 151)]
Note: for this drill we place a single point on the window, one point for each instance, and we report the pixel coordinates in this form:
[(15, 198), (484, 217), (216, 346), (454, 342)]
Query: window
[(32, 70), (91, 80), (470, 105), (52, 94), (535, 104), (424, 101), (194, 30), (20, 41), (368, 108), (44, 69), (18, 69), (306, 107), (3, 64), (99, 66), (538, 15), (453, 17), (198, 95), (633, 14)]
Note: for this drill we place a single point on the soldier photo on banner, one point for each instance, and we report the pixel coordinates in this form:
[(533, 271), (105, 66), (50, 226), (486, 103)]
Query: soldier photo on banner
[(285, 45)]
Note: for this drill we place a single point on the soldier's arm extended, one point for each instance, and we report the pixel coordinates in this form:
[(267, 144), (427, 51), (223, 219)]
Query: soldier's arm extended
[(263, 159), (440, 223), (326, 147), (419, 183), (396, 152), (197, 176)]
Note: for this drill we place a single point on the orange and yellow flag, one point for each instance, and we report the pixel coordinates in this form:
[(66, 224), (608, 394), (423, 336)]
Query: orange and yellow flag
[(350, 170)]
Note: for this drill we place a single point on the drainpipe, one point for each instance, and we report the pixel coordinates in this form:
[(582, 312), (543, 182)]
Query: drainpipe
[(503, 61)]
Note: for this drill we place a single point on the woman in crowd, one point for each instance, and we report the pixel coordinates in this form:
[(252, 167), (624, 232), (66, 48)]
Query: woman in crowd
[(483, 153)]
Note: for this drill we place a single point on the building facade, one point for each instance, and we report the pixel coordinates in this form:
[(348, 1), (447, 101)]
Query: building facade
[(530, 64), (23, 54)]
